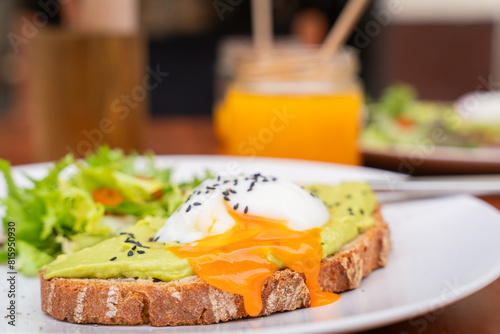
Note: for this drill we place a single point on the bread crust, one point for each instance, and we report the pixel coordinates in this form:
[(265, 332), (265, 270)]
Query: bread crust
[(191, 301)]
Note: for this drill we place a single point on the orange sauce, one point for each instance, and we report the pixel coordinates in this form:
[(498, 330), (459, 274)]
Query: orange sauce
[(306, 126), (237, 261)]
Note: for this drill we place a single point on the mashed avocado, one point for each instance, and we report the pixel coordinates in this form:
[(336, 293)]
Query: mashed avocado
[(134, 255)]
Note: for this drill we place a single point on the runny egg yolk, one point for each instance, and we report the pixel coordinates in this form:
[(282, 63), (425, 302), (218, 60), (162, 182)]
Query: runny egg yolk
[(239, 260)]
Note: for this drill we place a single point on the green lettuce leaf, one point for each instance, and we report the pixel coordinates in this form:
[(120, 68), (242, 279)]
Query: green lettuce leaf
[(30, 259), (57, 214)]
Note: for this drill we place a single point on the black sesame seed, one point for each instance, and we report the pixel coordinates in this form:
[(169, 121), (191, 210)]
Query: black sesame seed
[(232, 191), (218, 178), (130, 253), (141, 245), (226, 198), (225, 193), (130, 241), (361, 211), (133, 248), (156, 239), (236, 206), (206, 192), (235, 182), (265, 180), (150, 239), (196, 203), (226, 181), (199, 192), (246, 210), (123, 233), (348, 196), (132, 235), (140, 252), (210, 188), (274, 179), (113, 258), (216, 185), (188, 208)]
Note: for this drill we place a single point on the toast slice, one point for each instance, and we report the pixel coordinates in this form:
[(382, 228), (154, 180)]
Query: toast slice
[(191, 301)]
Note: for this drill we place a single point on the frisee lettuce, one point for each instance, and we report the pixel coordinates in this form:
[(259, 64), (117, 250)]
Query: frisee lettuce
[(56, 215)]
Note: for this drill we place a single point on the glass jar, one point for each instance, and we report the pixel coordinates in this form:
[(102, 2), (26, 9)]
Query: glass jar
[(288, 104)]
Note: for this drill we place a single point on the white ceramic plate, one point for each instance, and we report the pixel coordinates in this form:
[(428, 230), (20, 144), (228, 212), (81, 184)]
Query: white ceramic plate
[(432, 240)]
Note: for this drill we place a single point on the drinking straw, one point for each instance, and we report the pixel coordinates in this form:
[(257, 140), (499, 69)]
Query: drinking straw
[(310, 64), (342, 28), (262, 23)]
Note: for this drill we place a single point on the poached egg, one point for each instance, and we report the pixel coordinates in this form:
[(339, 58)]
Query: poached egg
[(207, 211), (236, 232)]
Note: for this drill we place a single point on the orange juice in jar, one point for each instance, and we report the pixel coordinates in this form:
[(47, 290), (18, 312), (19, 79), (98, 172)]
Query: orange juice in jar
[(293, 108)]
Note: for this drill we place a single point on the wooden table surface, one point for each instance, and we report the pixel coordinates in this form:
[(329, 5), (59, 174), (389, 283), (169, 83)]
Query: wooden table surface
[(478, 313)]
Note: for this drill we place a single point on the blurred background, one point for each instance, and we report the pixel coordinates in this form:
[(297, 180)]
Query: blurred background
[(156, 75)]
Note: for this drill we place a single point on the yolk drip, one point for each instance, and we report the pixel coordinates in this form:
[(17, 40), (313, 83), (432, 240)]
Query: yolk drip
[(238, 261)]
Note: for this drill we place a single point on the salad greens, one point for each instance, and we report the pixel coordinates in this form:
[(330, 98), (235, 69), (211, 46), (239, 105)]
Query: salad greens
[(82, 202), (396, 101), (400, 118)]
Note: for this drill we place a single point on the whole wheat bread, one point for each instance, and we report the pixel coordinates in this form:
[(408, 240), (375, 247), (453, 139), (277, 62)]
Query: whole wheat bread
[(190, 301)]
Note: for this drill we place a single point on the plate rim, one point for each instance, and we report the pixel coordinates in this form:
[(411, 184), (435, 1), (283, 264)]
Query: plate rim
[(481, 155)]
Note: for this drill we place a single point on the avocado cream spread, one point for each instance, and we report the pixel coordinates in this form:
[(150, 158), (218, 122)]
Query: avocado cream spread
[(135, 254)]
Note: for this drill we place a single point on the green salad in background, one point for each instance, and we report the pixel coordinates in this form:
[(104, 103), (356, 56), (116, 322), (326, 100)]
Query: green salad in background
[(400, 118), (82, 202)]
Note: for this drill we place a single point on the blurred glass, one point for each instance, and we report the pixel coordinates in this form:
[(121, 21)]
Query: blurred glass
[(88, 89)]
